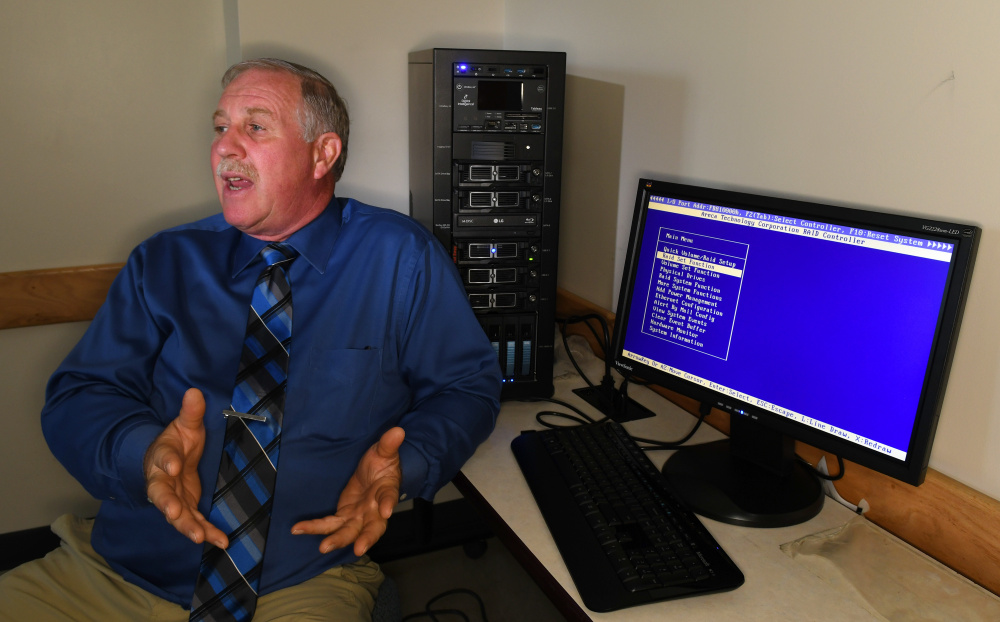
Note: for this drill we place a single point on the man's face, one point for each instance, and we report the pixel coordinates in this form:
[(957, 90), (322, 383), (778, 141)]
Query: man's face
[(264, 169)]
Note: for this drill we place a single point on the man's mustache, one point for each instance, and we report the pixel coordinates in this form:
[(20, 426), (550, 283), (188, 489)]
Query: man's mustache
[(243, 169)]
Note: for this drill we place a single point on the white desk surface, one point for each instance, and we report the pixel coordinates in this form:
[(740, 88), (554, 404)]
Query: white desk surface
[(777, 587)]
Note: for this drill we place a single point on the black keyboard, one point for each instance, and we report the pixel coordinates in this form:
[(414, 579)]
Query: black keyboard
[(625, 538)]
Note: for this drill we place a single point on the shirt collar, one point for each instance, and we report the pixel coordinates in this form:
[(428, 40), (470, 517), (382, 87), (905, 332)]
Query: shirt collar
[(313, 242)]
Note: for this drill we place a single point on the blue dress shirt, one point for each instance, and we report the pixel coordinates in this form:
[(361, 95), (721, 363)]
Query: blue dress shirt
[(383, 336)]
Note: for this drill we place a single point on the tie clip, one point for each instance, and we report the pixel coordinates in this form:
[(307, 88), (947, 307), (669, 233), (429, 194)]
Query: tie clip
[(233, 413)]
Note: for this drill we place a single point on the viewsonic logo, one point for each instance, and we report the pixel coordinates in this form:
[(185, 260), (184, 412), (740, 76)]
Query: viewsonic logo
[(939, 229), (623, 366)]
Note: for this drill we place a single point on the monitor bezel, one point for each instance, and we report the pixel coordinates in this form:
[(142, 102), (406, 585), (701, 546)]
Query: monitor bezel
[(964, 236)]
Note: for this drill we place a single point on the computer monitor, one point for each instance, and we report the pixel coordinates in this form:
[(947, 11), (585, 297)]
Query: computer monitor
[(803, 321)]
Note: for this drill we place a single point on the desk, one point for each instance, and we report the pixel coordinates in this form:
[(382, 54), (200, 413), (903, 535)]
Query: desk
[(777, 587)]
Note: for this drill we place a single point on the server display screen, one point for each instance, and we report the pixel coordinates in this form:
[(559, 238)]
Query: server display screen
[(500, 95)]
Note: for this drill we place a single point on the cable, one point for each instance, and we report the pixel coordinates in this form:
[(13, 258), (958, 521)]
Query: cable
[(433, 613), (603, 343), (822, 475), (582, 418), (608, 380), (703, 409), (575, 319)]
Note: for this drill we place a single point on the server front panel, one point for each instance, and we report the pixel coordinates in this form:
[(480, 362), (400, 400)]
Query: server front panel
[(486, 150)]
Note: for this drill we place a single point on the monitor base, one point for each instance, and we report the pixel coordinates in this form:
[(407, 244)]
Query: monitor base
[(611, 404), (718, 485)]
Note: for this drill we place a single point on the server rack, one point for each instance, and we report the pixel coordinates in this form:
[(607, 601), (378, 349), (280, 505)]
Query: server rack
[(485, 140)]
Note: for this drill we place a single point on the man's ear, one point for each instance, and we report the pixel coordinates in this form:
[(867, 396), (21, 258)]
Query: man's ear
[(326, 150)]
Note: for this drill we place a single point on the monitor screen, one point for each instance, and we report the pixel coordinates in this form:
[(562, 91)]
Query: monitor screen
[(804, 321)]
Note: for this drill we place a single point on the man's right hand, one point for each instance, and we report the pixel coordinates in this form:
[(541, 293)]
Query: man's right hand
[(171, 467)]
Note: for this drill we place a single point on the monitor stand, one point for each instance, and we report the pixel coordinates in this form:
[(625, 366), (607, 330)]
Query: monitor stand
[(614, 404), (752, 479)]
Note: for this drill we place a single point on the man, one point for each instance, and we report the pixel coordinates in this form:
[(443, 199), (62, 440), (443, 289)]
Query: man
[(390, 383)]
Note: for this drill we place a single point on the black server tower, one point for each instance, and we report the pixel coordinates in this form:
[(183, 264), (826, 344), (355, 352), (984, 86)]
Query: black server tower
[(485, 162)]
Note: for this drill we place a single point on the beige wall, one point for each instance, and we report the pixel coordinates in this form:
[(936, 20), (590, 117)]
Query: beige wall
[(107, 134), (107, 109), (882, 104), (851, 102)]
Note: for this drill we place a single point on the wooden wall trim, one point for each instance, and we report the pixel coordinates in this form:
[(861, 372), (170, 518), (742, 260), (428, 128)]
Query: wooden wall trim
[(942, 517), (36, 297)]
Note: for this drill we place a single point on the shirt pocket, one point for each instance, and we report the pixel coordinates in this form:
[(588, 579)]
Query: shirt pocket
[(340, 393)]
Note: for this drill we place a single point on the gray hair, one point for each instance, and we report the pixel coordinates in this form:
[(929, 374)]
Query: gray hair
[(323, 110)]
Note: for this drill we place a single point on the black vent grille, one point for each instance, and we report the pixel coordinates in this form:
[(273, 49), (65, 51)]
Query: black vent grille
[(480, 172), (508, 199), (508, 173), (506, 250), (482, 150), (480, 199)]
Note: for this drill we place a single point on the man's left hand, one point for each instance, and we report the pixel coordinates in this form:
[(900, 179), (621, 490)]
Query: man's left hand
[(367, 501)]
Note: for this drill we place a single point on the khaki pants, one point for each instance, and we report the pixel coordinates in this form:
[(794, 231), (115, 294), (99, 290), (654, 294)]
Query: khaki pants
[(75, 583)]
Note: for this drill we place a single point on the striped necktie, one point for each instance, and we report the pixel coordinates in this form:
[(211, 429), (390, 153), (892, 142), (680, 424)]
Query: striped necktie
[(229, 579)]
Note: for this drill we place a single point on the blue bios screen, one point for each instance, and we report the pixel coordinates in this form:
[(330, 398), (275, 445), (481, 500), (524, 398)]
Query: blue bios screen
[(826, 324)]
